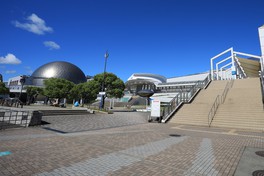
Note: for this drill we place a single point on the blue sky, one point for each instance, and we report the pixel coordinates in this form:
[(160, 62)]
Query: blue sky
[(166, 37)]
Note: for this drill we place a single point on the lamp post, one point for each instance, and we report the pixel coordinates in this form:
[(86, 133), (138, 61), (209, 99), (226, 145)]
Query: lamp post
[(103, 84), (22, 81)]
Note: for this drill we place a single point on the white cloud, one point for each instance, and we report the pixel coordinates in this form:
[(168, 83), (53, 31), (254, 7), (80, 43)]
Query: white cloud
[(9, 59), (51, 45), (34, 24), (10, 71)]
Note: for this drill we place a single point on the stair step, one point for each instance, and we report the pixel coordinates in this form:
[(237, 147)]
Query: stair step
[(196, 113), (242, 108), (63, 112)]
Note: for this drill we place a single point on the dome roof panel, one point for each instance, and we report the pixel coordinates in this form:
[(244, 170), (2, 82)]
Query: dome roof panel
[(60, 69)]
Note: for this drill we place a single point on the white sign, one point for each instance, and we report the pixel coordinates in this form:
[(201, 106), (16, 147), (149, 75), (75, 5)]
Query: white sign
[(101, 93), (155, 108)]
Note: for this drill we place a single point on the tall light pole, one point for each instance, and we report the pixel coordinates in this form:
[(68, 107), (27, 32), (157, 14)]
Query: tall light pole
[(103, 84), (22, 82)]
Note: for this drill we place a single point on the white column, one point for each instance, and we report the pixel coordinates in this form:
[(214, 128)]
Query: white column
[(261, 38), (222, 61), (224, 72), (212, 69), (233, 64), (215, 57)]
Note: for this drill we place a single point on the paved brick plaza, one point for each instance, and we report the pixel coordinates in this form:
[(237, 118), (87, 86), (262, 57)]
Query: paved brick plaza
[(122, 144)]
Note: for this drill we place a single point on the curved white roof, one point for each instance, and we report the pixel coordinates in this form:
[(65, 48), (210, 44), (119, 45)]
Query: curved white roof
[(156, 79), (188, 78)]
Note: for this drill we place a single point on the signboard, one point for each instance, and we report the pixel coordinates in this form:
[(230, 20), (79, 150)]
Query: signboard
[(155, 108), (101, 93), (233, 72)]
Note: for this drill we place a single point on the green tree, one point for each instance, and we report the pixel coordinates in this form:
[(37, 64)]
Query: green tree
[(33, 92), (92, 88), (57, 88), (86, 91), (75, 91), (113, 85), (3, 88)]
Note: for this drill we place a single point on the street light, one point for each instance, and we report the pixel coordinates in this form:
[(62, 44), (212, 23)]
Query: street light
[(103, 84), (22, 82)]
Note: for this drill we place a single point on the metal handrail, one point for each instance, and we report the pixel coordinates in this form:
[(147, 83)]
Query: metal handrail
[(183, 97), (213, 110), (227, 88), (240, 67), (173, 105), (220, 99)]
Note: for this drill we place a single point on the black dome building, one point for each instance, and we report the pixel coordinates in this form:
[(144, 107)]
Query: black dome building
[(58, 69)]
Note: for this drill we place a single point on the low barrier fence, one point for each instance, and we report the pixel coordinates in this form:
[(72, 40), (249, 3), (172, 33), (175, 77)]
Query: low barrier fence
[(10, 118), (11, 102)]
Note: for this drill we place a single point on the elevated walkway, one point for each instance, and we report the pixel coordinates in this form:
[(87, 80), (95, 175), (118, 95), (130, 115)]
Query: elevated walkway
[(250, 66), (243, 107), (196, 113)]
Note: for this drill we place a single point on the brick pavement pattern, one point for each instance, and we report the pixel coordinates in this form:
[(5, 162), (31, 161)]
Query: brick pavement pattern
[(128, 146), (115, 161), (204, 161), (78, 123)]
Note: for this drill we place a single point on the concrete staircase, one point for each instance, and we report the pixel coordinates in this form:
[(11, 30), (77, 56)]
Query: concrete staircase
[(243, 107), (196, 113)]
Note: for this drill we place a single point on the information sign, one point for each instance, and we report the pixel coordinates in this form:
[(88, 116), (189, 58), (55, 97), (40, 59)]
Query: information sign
[(155, 108)]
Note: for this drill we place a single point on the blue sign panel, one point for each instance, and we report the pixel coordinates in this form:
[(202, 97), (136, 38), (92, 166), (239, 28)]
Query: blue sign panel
[(233, 72)]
